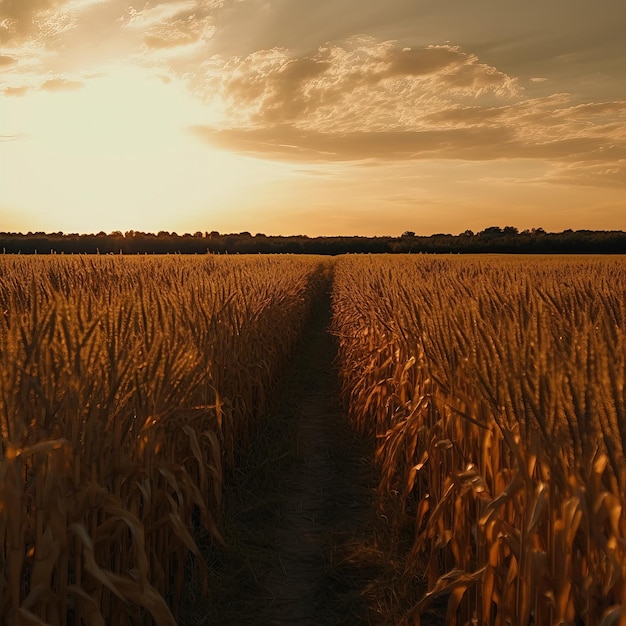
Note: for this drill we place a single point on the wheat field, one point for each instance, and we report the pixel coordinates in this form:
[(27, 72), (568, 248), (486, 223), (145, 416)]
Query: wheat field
[(127, 386), (493, 386)]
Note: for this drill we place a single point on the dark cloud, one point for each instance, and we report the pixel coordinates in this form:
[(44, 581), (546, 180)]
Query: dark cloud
[(292, 82), (17, 17), (298, 71), (473, 77), (5, 61), (289, 144), (418, 62), (472, 144)]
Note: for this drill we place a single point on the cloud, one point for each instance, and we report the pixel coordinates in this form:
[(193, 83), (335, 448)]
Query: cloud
[(287, 143), (16, 14), (5, 61), (591, 174), (61, 84), (21, 18), (359, 84), (28, 24), (15, 91), (422, 61), (471, 144), (169, 25), (549, 118), (365, 99)]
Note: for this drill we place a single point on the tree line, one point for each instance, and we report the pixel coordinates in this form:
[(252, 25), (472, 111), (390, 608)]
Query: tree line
[(490, 240)]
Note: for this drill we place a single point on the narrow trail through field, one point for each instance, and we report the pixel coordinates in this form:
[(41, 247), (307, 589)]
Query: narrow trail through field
[(300, 508)]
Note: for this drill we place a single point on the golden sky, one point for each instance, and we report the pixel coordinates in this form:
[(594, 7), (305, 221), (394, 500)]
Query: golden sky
[(326, 117)]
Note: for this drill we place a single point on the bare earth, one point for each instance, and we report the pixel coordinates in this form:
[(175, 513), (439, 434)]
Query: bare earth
[(300, 510)]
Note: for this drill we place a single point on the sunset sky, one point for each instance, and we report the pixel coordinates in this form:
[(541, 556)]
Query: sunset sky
[(326, 117)]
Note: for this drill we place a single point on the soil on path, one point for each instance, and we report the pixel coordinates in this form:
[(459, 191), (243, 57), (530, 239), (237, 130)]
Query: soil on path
[(300, 509)]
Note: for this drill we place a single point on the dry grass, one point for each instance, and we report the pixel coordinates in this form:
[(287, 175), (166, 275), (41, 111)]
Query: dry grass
[(126, 386), (496, 389)]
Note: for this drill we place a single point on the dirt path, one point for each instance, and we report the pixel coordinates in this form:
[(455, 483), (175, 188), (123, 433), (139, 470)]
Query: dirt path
[(301, 507)]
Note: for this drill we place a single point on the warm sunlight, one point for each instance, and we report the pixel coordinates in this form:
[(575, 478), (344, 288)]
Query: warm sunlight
[(116, 154), (312, 312), (351, 118)]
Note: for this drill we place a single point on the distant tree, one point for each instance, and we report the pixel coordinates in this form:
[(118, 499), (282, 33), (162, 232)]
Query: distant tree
[(492, 239), (491, 231)]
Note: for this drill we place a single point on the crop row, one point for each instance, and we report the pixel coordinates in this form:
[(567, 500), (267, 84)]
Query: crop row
[(496, 390), (127, 386)]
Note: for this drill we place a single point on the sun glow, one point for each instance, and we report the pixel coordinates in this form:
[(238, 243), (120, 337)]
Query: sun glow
[(116, 153)]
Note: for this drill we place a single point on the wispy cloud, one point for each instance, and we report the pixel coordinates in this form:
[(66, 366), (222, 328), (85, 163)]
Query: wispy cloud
[(468, 144), (4, 138), (290, 144), (16, 91), (173, 24), (604, 174), (61, 84)]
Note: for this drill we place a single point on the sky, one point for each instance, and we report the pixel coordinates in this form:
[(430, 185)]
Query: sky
[(326, 117)]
